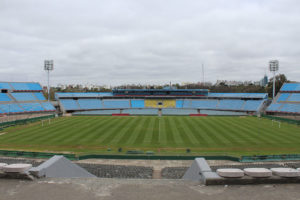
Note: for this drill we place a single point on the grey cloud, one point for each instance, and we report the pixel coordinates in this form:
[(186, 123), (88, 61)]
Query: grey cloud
[(141, 41)]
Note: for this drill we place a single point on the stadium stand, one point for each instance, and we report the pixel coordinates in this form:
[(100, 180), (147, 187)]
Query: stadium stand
[(32, 107), (48, 106), (290, 87), (204, 104), (151, 103), (22, 96), (97, 112), (231, 104), (116, 103), (11, 108), (145, 111), (174, 111), (239, 95), (240, 102), (294, 97), (39, 96), (252, 105), (4, 97), (89, 103), (179, 103), (140, 103), (283, 97), (287, 100), (69, 104)]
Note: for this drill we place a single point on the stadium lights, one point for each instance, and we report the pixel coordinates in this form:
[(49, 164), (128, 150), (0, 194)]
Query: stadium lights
[(274, 67), (48, 66)]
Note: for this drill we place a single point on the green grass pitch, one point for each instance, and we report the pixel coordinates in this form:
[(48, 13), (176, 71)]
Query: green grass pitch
[(163, 135)]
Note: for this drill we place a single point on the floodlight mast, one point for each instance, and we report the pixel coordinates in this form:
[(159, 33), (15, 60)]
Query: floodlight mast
[(274, 66), (48, 66)]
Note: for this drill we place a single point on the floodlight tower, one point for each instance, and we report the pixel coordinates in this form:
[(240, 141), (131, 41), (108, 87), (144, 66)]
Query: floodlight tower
[(273, 66), (48, 66)]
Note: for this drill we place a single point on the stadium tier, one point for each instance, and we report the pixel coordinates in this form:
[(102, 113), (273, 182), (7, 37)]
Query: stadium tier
[(18, 86), (18, 98), (287, 100), (242, 102)]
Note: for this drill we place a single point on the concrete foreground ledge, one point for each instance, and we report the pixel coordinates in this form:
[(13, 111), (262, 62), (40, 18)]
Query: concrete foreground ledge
[(200, 171), (16, 168)]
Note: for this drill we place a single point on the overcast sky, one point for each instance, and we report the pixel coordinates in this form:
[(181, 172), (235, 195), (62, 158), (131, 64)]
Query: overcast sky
[(148, 41)]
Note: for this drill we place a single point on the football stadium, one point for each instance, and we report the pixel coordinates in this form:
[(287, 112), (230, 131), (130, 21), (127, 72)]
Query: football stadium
[(149, 122)]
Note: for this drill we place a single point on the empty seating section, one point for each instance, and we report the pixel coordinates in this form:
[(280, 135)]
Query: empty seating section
[(48, 106), (231, 105), (4, 97), (32, 107), (69, 104), (179, 103), (174, 111), (207, 104), (17, 97), (145, 111), (11, 108), (252, 105), (5, 86), (294, 97), (283, 97), (137, 103), (98, 112), (116, 103), (89, 103), (39, 96), (24, 96), (26, 86), (290, 87), (288, 100), (292, 108), (239, 95), (274, 107)]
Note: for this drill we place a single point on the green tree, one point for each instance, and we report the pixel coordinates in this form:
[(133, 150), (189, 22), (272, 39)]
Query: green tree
[(280, 79)]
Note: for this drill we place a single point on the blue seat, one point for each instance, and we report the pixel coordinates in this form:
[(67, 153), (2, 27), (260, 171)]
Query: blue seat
[(294, 97), (252, 105), (22, 96), (179, 103), (290, 87), (283, 97), (4, 85), (174, 111), (11, 108), (231, 104), (4, 97), (32, 107), (89, 103), (48, 106), (291, 108), (137, 103), (39, 96), (274, 107), (69, 104), (116, 104)]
